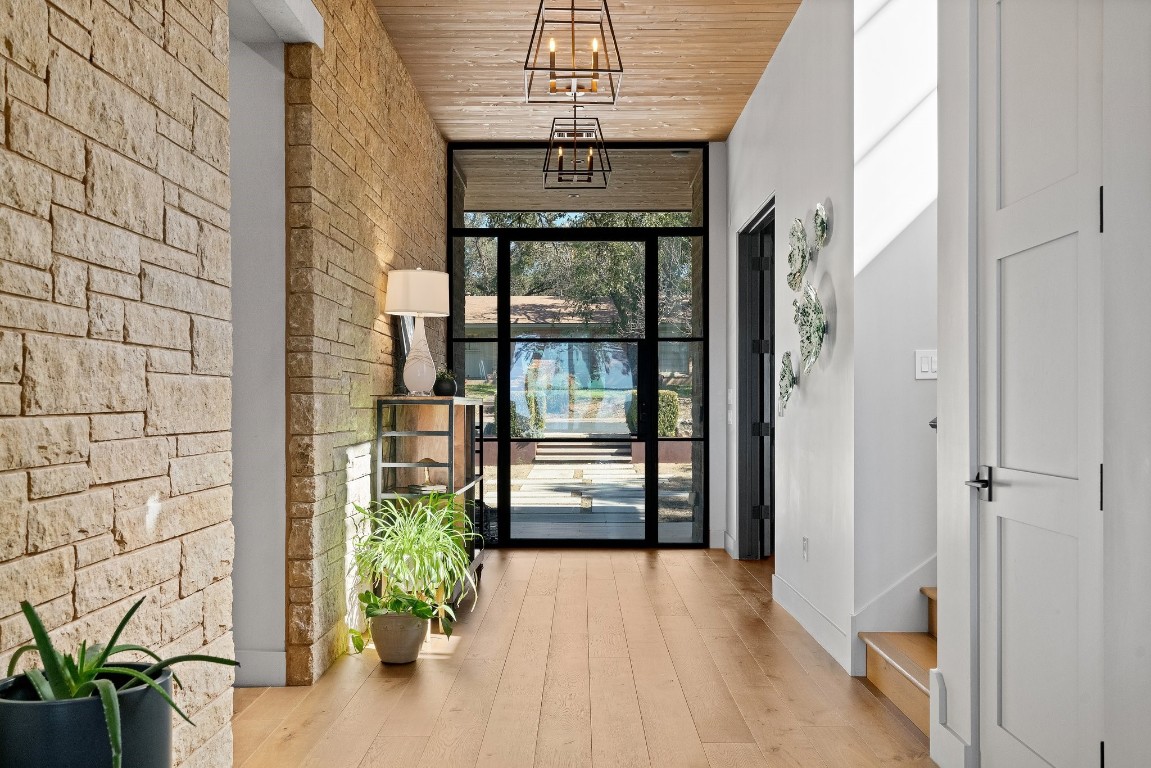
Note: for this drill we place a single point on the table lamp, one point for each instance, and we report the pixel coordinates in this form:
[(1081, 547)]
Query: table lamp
[(418, 293)]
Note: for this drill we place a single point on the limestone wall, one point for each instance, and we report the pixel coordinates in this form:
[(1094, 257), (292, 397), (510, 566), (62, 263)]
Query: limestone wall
[(366, 176), (115, 333)]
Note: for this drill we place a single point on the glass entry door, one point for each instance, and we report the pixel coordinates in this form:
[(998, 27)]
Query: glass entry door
[(575, 433), (589, 354)]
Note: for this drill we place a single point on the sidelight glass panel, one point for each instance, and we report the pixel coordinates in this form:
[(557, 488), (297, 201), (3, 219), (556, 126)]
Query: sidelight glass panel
[(577, 289), (476, 270), (682, 386), (681, 289), (574, 389), (681, 492)]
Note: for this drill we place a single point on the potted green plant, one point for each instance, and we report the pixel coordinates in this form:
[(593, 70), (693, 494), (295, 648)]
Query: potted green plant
[(416, 552), (85, 709), (445, 385)]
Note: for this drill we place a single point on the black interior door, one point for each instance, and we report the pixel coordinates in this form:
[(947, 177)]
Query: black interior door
[(757, 387)]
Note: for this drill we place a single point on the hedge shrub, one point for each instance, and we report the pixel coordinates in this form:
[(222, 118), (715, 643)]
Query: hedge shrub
[(667, 418)]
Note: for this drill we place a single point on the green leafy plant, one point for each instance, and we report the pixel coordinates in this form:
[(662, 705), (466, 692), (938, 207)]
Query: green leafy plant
[(667, 418), (417, 551), (90, 672), (443, 374)]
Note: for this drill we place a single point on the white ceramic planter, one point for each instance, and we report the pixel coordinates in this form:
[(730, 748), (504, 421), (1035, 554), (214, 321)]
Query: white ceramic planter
[(398, 637)]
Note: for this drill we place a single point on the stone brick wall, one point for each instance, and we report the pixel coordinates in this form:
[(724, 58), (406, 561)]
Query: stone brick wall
[(115, 334), (366, 176)]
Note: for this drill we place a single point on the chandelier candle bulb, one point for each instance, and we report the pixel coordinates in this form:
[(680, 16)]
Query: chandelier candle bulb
[(552, 56), (595, 65)]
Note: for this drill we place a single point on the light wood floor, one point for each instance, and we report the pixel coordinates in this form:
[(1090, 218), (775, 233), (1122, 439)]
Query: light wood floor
[(618, 659)]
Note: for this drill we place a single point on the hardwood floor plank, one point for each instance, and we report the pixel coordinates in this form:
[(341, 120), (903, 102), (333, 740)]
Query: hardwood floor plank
[(604, 620), (395, 752), (780, 737), (564, 738), (671, 736), (252, 727), (734, 756), (618, 733), (571, 597), (510, 738), (459, 729), (579, 658), (242, 698), (289, 744), (717, 718), (840, 746), (349, 738)]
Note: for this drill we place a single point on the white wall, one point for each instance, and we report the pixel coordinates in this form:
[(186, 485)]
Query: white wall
[(794, 142), (717, 345), (259, 439), (895, 250), (845, 115), (1127, 381)]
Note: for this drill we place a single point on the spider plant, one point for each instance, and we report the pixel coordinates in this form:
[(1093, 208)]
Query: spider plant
[(91, 672), (416, 547)]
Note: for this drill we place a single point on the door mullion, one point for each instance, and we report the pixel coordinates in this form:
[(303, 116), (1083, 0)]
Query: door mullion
[(503, 388), (649, 380)]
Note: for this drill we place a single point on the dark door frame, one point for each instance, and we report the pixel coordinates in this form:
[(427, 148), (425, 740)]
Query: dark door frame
[(648, 346), (756, 499)]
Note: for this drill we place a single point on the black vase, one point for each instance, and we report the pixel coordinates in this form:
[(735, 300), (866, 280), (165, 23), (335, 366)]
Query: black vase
[(67, 734), (444, 387)]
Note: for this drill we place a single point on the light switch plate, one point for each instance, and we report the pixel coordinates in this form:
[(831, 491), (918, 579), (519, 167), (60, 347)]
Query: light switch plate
[(926, 364)]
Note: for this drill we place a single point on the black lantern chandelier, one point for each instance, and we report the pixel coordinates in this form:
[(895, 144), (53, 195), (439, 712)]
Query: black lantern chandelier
[(577, 156), (573, 56)]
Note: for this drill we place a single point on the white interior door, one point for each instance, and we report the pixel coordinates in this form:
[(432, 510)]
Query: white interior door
[(1039, 358)]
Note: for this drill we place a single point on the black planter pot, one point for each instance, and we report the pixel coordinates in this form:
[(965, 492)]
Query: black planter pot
[(68, 734), (444, 387)]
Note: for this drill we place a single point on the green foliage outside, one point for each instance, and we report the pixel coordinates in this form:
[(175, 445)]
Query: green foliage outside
[(589, 275), (667, 419)]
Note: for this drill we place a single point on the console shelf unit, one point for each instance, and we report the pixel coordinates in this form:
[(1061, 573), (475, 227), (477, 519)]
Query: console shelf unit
[(423, 440)]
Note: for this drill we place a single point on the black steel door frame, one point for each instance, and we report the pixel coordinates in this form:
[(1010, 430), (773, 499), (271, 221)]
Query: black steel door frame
[(647, 380), (757, 386)]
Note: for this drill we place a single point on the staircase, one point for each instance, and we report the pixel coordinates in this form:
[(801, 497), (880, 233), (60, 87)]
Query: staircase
[(898, 662), (583, 453)]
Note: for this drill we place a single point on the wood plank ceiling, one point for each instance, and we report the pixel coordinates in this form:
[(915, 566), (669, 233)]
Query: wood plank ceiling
[(689, 65)]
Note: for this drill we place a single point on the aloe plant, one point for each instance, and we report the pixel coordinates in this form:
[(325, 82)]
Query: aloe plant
[(90, 672)]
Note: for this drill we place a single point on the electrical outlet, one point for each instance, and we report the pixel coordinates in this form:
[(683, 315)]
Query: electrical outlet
[(804, 547)]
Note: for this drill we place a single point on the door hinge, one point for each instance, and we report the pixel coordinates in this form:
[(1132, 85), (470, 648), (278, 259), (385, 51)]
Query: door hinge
[(1101, 209), (761, 512), (761, 429), (761, 347)]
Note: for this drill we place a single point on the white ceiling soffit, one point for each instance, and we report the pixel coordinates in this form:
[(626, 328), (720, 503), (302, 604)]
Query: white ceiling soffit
[(271, 21)]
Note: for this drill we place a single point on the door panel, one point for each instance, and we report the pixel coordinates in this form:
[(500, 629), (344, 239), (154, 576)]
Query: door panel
[(1039, 362), (1038, 358), (1039, 638), (1037, 88)]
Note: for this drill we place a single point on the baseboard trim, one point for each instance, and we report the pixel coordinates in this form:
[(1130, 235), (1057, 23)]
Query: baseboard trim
[(718, 539), (261, 668), (729, 546), (818, 625)]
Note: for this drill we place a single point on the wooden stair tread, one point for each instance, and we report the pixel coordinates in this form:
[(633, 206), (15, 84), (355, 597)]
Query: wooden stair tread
[(931, 592), (912, 653)]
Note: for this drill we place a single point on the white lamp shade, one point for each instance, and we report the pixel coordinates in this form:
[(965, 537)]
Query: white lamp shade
[(418, 293)]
